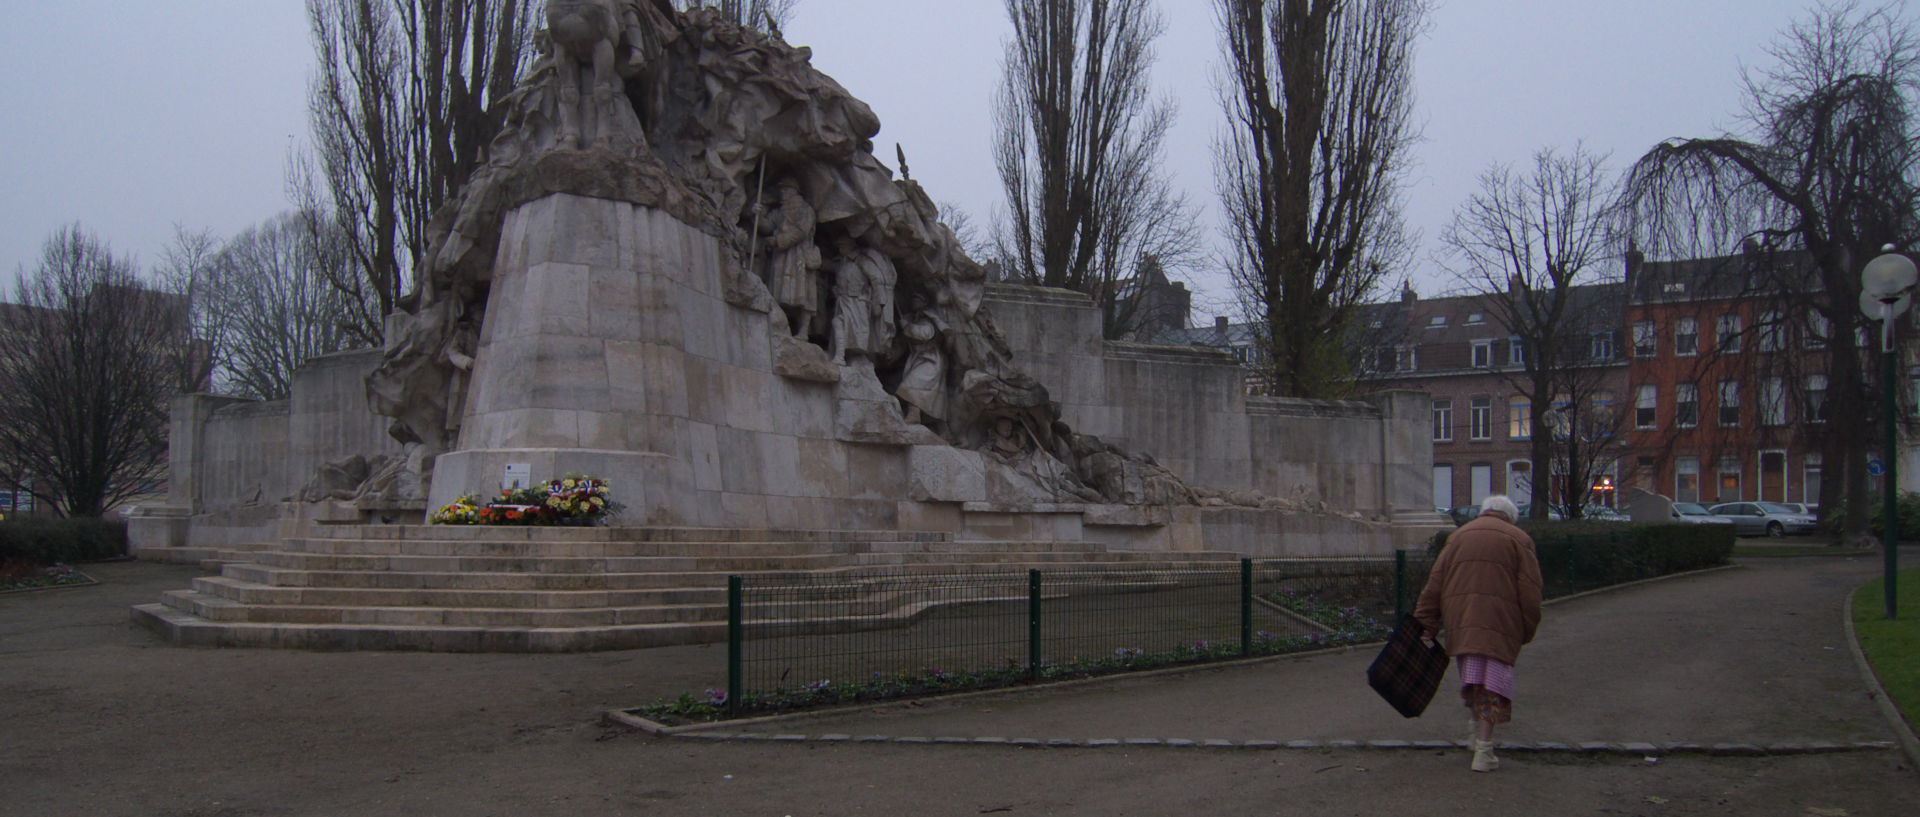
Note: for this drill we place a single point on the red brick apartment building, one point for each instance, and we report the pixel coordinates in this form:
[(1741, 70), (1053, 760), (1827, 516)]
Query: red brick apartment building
[(1716, 377), (1729, 391), (1457, 350)]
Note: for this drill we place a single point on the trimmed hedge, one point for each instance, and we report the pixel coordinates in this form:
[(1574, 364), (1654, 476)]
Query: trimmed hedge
[(1577, 556), (47, 540)]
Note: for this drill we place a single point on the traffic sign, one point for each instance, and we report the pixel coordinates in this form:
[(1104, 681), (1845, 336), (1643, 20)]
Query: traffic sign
[(1876, 467)]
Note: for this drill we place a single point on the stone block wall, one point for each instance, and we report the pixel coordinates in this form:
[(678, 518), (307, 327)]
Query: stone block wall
[(611, 347), (1187, 407), (328, 417)]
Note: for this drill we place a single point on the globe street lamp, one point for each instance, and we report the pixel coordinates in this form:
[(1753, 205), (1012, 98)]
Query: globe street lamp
[(1887, 281)]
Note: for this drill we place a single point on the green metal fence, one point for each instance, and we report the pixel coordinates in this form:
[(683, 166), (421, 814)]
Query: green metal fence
[(809, 639)]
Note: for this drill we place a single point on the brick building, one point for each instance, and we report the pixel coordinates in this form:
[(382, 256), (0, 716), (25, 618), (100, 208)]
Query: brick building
[(1729, 382), (1457, 350), (1713, 376)]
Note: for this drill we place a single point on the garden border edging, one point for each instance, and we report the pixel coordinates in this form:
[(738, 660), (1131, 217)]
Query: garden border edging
[(1901, 731), (625, 716)]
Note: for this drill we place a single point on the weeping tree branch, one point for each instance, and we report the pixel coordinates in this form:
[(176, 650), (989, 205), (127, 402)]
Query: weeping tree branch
[(1828, 167)]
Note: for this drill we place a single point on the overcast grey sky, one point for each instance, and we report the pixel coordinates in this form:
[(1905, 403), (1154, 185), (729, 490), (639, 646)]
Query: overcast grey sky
[(130, 116)]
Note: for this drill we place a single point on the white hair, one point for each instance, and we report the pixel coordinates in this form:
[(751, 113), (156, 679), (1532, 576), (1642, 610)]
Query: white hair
[(1500, 504)]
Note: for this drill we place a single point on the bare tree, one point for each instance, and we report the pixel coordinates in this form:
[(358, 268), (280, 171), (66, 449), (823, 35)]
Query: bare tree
[(976, 245), (279, 308), (402, 109), (1527, 242), (87, 360), (1079, 146), (186, 270), (1319, 101), (1828, 166), (769, 15)]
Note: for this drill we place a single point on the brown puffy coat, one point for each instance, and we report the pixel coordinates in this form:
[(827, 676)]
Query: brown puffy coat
[(1484, 591)]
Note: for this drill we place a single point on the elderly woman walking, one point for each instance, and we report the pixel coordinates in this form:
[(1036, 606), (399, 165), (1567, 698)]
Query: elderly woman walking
[(1484, 594)]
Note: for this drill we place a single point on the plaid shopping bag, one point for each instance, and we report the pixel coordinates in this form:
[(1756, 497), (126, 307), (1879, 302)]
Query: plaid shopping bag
[(1408, 671)]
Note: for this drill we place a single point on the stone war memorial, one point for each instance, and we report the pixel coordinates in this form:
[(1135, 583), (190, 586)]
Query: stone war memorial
[(683, 270)]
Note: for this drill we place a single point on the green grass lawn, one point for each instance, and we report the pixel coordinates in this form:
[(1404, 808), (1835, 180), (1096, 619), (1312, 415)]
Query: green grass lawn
[(1893, 647)]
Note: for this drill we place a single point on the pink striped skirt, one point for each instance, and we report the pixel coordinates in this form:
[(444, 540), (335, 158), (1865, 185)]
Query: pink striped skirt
[(1486, 687)]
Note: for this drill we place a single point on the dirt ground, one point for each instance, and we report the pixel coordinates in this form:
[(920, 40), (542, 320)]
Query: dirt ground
[(98, 717)]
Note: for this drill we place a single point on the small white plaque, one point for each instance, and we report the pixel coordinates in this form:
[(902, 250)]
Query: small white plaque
[(519, 475)]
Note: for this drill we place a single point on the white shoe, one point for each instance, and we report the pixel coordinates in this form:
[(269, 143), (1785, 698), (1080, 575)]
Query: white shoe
[(1483, 757)]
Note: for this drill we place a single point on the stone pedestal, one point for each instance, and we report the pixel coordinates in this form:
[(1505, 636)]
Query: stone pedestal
[(611, 348)]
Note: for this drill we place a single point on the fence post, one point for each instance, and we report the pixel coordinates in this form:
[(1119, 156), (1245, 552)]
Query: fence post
[(1246, 607), (1399, 584), (1033, 625), (735, 630)]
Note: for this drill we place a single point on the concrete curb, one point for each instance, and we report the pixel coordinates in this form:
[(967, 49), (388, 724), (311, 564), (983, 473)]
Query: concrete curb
[(625, 716), (1630, 749), (1901, 731)]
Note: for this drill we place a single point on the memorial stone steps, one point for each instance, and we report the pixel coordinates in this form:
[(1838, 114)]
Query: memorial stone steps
[(464, 589)]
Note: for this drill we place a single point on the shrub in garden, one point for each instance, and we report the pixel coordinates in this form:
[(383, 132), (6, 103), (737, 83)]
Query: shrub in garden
[(47, 540), (1907, 506), (1576, 556)]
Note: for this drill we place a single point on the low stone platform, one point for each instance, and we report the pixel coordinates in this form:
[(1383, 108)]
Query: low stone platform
[(540, 589)]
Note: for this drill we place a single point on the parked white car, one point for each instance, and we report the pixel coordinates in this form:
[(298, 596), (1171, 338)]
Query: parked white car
[(1695, 513), (1766, 518)]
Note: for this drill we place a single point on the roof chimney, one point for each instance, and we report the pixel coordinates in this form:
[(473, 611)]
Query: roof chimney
[(1635, 259), (1407, 295), (1220, 323)]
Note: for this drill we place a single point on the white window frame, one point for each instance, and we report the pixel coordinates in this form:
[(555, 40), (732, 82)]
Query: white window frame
[(1443, 420), (1483, 354), (1646, 339), (1684, 395), (1600, 346), (1646, 397), (1516, 351), (1773, 401), (1817, 402), (1819, 330), (1760, 476), (1729, 394), (1480, 417), (1519, 418), (1772, 330), (1683, 467), (1686, 337), (1720, 473), (1726, 335)]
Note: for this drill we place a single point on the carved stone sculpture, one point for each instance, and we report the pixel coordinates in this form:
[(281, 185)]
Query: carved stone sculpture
[(792, 258), (686, 113)]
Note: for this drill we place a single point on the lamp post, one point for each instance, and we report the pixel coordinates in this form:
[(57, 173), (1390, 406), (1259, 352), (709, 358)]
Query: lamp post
[(1888, 280)]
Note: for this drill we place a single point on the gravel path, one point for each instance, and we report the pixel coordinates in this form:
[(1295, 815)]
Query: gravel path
[(98, 717)]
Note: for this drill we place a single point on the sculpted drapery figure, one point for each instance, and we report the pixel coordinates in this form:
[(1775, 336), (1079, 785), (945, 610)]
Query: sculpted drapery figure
[(792, 258), (686, 112), (923, 377)]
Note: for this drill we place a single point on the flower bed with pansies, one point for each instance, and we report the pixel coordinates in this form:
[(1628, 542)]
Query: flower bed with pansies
[(19, 575), (569, 500)]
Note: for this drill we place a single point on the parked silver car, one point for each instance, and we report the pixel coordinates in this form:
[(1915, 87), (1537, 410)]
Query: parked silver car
[(1766, 518), (1695, 513)]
